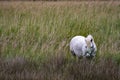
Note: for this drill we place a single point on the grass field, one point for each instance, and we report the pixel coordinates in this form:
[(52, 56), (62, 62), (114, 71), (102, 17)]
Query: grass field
[(35, 36)]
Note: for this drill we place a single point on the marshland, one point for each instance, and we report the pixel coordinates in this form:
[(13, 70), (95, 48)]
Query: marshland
[(35, 36)]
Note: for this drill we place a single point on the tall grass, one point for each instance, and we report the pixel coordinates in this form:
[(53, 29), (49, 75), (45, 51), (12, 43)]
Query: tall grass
[(40, 31)]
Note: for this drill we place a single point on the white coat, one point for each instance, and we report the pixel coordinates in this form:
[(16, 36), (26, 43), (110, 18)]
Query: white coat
[(83, 46)]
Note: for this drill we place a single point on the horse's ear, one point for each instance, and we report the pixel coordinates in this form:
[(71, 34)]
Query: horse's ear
[(87, 42)]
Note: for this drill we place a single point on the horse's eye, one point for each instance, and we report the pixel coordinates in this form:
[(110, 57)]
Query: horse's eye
[(91, 40)]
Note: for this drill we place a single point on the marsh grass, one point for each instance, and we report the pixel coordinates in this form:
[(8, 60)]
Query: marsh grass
[(59, 68), (41, 32)]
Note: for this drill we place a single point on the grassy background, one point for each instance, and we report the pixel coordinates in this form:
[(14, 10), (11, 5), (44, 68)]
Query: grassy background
[(41, 32)]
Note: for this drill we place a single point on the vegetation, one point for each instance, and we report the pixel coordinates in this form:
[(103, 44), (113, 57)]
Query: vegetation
[(58, 0), (34, 40)]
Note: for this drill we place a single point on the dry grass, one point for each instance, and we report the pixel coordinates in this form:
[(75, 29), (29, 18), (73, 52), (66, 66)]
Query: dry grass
[(40, 32), (59, 68)]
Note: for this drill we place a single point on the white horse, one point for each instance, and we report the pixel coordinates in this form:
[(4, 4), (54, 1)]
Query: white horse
[(83, 46)]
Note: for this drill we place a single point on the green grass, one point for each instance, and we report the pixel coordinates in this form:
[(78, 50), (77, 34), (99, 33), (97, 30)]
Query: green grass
[(36, 30), (47, 29)]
